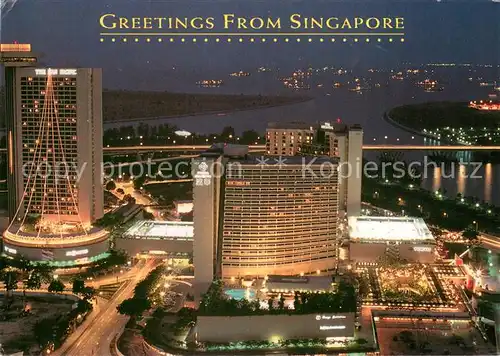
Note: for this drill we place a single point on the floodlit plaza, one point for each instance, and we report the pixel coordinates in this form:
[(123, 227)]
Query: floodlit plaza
[(409, 284)]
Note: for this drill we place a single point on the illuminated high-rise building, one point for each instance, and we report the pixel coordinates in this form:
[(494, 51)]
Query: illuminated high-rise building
[(279, 218), (257, 216), (328, 139), (287, 139), (13, 57), (55, 151)]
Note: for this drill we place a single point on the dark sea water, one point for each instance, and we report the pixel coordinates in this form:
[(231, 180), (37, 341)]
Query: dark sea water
[(366, 109)]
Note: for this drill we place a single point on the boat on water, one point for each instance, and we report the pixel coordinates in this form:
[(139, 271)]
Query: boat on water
[(210, 83)]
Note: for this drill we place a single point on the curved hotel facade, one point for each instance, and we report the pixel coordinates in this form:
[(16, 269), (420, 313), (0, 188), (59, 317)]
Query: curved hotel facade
[(257, 216), (279, 220)]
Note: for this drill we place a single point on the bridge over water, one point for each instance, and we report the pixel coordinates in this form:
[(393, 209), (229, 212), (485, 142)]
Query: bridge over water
[(262, 148)]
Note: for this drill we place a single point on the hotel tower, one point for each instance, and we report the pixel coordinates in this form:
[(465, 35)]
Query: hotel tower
[(54, 123), (257, 216)]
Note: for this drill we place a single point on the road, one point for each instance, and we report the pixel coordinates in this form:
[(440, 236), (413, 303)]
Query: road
[(99, 334)]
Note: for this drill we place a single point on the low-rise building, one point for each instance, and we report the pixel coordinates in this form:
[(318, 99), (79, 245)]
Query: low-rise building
[(404, 238), (275, 327), (171, 238)]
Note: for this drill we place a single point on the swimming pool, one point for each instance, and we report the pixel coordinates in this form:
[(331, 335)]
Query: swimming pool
[(240, 294)]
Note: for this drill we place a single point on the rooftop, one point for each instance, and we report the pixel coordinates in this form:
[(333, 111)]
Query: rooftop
[(290, 126), (389, 229), (155, 230)]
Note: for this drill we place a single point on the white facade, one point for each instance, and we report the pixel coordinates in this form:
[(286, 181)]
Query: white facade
[(206, 191), (355, 159)]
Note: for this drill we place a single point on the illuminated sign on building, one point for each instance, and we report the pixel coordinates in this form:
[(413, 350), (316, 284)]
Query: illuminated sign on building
[(202, 176), (327, 126), (329, 317), (157, 252), (81, 261), (422, 249), (74, 253), (10, 250), (15, 47), (332, 327), (50, 71)]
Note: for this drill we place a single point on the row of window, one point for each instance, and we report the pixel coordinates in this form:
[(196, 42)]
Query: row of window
[(275, 263)]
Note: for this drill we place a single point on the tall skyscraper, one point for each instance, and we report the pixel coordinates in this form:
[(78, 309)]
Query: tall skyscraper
[(256, 216), (346, 143), (13, 57), (55, 151)]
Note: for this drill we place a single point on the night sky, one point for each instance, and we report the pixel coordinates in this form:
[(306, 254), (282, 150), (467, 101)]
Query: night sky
[(67, 32)]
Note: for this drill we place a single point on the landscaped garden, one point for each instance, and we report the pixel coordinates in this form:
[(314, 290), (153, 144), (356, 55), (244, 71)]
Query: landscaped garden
[(34, 323), (21, 323), (216, 302), (408, 284)]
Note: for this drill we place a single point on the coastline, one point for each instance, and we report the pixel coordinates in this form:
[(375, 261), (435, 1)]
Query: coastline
[(213, 112), (391, 121)]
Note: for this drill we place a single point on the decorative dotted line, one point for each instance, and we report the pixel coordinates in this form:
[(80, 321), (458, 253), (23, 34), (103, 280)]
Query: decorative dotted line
[(242, 40)]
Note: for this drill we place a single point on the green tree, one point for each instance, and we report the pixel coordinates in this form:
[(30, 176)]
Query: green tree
[(129, 199), (33, 282), (134, 307), (10, 280), (270, 303), (227, 132), (88, 292), (296, 302), (56, 286), (147, 215), (281, 304), (78, 286), (43, 331), (111, 185), (249, 137), (41, 273), (138, 182)]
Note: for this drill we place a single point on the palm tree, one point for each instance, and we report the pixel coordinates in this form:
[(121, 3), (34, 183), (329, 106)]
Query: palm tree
[(281, 303), (10, 279), (33, 282)]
